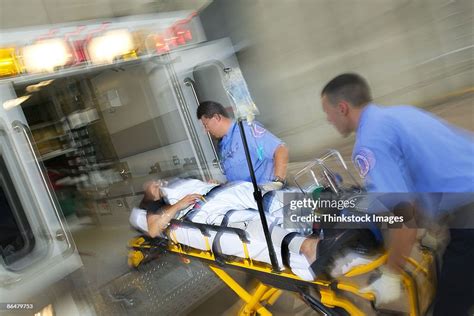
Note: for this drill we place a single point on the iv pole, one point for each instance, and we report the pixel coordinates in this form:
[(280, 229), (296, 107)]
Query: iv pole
[(257, 195), (238, 92)]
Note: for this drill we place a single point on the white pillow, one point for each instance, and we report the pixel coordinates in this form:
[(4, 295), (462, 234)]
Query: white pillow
[(138, 219), (177, 189)]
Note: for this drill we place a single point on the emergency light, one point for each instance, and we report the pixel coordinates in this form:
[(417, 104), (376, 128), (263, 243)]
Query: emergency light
[(46, 55), (9, 65), (98, 47), (104, 49)]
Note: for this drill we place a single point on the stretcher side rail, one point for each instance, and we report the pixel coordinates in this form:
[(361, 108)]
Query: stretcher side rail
[(256, 268)]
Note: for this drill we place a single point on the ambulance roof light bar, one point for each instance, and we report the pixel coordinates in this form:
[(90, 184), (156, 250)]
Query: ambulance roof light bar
[(67, 53), (46, 55), (104, 49)]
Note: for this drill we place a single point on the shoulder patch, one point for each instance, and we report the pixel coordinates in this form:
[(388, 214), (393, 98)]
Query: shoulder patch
[(364, 161), (258, 130)]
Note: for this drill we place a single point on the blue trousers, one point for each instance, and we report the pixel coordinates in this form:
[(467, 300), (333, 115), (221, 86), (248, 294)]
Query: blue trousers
[(455, 292)]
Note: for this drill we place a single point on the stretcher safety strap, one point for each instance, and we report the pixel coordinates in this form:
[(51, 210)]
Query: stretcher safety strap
[(216, 247), (285, 252)]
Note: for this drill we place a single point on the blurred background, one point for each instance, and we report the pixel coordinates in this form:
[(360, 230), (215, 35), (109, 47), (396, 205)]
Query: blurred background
[(411, 52), (103, 129)]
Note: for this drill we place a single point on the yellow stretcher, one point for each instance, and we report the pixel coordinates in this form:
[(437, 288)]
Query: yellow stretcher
[(329, 296), (340, 296)]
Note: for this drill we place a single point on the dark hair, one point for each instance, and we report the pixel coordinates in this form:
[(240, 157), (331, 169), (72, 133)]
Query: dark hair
[(350, 87), (210, 108)]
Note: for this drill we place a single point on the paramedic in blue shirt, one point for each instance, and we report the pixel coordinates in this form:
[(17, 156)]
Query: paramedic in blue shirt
[(268, 153), (402, 149)]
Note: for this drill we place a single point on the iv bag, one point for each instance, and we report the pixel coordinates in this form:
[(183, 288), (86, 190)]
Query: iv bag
[(237, 89)]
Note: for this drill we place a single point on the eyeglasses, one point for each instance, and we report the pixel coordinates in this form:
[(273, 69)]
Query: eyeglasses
[(205, 121)]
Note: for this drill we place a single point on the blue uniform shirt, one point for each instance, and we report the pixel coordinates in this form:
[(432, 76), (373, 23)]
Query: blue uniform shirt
[(262, 145), (405, 149)]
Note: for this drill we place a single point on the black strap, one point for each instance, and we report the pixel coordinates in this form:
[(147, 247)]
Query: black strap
[(225, 220), (216, 248), (328, 247), (285, 252), (206, 228)]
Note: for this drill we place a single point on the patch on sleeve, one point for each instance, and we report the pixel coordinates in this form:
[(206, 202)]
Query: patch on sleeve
[(258, 130), (364, 161)]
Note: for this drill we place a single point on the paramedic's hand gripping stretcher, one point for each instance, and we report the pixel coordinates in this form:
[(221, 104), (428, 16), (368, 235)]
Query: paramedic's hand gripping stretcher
[(220, 225)]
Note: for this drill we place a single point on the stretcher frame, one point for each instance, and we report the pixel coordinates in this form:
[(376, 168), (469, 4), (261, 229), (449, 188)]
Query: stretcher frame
[(271, 283)]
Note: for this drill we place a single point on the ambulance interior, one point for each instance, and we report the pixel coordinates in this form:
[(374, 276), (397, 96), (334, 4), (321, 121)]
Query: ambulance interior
[(109, 132)]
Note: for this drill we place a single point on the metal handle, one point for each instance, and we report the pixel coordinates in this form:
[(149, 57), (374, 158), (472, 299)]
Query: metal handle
[(328, 173), (22, 128), (190, 83), (333, 152)]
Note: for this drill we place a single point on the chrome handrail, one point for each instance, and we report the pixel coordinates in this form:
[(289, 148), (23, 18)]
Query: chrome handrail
[(190, 83), (22, 128)]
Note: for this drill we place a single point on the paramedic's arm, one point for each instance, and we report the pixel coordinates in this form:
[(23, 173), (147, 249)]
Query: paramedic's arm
[(385, 176), (280, 160), (401, 244), (275, 149), (157, 223)]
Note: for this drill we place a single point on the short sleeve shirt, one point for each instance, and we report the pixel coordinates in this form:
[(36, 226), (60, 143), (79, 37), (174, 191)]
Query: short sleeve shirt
[(403, 149), (262, 145)]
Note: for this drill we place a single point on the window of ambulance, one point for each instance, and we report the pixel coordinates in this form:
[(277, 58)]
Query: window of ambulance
[(16, 237)]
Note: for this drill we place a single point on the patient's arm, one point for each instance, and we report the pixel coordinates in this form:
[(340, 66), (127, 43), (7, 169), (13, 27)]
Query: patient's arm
[(157, 223)]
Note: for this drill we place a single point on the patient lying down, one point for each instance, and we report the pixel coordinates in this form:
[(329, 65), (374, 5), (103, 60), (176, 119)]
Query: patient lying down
[(235, 205)]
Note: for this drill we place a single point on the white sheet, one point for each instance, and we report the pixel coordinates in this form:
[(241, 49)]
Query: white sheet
[(235, 196), (230, 242), (231, 245)]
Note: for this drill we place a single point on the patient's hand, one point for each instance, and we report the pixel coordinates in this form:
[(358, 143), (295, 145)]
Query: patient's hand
[(188, 200)]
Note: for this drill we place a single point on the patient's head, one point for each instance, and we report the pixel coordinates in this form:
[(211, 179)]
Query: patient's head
[(152, 190)]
